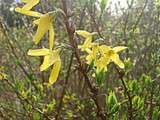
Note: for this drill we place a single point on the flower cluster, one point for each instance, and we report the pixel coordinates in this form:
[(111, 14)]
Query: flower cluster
[(44, 23), (99, 55)]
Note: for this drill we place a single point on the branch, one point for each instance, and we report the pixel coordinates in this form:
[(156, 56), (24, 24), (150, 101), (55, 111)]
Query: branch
[(70, 30)]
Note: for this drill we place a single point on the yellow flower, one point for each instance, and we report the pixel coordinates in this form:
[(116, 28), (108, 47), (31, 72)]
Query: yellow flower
[(103, 55), (51, 57), (44, 25), (26, 9), (111, 54), (92, 54), (29, 4), (99, 59), (28, 12), (88, 42)]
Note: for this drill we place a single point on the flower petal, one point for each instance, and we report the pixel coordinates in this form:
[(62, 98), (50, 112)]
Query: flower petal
[(89, 59), (119, 48), (51, 37), (27, 12), (55, 72), (101, 64), (50, 60), (105, 48), (45, 63), (36, 21), (83, 33), (39, 52), (43, 27), (87, 44), (115, 58), (29, 4)]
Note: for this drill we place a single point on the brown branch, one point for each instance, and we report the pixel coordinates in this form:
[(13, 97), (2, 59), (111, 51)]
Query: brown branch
[(64, 88), (70, 30), (130, 107)]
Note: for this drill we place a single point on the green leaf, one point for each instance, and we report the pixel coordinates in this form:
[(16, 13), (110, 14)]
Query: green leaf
[(100, 77), (138, 102), (115, 108), (134, 85), (36, 116), (19, 86), (156, 114), (51, 105), (158, 100), (146, 79), (111, 100)]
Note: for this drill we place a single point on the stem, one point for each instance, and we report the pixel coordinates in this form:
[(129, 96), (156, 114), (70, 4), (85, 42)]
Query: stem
[(64, 88), (70, 30), (130, 107)]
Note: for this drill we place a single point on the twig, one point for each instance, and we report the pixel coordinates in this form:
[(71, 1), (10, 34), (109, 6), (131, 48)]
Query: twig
[(26, 100), (64, 88), (70, 30), (130, 108)]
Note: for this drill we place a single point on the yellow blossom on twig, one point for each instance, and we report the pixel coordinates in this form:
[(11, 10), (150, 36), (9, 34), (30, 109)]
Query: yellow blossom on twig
[(51, 57)]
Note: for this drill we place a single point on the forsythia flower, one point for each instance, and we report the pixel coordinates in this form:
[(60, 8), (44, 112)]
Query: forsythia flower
[(100, 55), (26, 9), (95, 55), (88, 42), (44, 25), (51, 57), (112, 55)]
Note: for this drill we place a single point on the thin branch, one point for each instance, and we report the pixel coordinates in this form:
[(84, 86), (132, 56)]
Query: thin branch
[(70, 30)]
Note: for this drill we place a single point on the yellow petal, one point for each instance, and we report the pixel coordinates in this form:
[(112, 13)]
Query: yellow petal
[(89, 51), (51, 37), (87, 44), (45, 63), (115, 58), (43, 27), (83, 33), (27, 12), (39, 52), (30, 4), (104, 48), (36, 21), (101, 64), (95, 49), (55, 72), (89, 59), (49, 60), (119, 48)]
